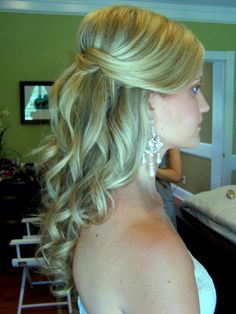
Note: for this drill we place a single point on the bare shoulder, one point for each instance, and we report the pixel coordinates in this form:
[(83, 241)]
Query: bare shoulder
[(159, 274)]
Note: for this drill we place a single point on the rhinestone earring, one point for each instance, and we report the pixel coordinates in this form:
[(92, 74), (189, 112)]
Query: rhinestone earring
[(153, 148)]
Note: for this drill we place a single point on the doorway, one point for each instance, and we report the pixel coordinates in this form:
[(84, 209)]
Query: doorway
[(212, 163)]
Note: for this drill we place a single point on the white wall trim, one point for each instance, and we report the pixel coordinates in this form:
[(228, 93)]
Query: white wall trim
[(219, 55), (228, 118), (233, 162), (196, 13), (180, 193), (202, 150)]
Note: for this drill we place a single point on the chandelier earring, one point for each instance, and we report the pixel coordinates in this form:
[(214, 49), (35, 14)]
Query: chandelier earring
[(153, 150)]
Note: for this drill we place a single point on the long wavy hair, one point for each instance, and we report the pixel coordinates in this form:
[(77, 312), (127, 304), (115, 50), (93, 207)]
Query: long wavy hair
[(100, 122)]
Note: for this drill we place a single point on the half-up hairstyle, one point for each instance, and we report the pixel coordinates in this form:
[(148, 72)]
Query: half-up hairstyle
[(100, 122)]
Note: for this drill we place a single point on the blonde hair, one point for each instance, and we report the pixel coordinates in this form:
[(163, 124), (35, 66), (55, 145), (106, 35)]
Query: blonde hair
[(100, 122)]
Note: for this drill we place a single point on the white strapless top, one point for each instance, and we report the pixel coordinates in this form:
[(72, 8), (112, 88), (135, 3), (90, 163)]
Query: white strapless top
[(206, 290)]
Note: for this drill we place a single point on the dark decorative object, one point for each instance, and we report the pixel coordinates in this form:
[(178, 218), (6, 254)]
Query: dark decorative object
[(4, 114), (34, 102), (7, 168)]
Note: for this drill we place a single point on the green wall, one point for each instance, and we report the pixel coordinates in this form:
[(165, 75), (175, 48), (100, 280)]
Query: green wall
[(38, 47), (34, 47)]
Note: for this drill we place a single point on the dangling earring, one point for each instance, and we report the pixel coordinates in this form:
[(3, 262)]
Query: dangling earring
[(154, 147)]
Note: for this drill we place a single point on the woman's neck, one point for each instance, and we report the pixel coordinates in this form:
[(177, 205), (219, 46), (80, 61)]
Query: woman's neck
[(140, 192)]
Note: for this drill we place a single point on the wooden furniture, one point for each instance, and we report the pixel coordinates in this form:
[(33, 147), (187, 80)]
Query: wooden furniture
[(216, 253)]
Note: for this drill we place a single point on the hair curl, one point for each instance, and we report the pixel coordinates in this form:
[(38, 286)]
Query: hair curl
[(100, 122)]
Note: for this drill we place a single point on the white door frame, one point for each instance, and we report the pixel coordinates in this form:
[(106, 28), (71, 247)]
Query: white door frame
[(220, 150)]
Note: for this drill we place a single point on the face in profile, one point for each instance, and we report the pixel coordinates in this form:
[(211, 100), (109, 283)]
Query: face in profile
[(178, 117)]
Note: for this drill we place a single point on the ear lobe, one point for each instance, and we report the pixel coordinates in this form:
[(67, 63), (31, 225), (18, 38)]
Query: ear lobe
[(150, 106), (150, 98)]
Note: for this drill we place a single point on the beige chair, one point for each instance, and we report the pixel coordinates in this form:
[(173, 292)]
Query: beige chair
[(29, 264)]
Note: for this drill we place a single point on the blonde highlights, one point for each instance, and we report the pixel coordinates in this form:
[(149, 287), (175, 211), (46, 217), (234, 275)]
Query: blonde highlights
[(100, 120), (143, 49)]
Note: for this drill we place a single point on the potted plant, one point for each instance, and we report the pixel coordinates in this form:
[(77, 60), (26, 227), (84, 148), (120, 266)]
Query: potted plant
[(3, 115)]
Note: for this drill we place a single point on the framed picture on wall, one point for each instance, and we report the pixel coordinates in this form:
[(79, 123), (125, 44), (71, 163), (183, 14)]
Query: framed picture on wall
[(34, 102)]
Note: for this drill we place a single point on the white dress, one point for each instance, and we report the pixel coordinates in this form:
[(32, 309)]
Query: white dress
[(206, 290)]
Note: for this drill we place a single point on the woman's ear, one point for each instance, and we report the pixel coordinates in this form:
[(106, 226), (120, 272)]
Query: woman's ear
[(150, 101), (154, 99)]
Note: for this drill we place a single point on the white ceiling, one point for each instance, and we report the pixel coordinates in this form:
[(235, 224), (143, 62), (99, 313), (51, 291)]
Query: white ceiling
[(213, 11)]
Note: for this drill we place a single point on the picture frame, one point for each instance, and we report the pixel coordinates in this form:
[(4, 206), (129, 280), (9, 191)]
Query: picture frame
[(34, 102)]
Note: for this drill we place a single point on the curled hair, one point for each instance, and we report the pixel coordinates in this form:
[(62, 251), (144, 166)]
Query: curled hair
[(100, 122)]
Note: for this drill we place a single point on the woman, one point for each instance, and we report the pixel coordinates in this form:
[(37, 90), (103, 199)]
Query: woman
[(169, 170), (131, 93)]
